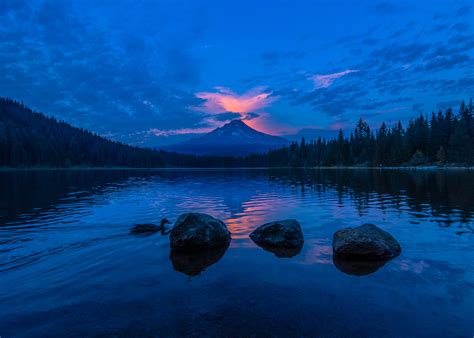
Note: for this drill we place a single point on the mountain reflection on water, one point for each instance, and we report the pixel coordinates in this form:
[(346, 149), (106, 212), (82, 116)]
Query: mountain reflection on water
[(70, 266)]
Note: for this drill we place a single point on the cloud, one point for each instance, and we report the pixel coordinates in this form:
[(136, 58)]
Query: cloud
[(400, 52), (464, 10), (460, 27), (225, 100), (251, 116), (87, 65), (265, 123), (447, 62), (226, 116), (224, 105), (324, 81), (333, 101), (57, 59), (182, 131), (408, 63)]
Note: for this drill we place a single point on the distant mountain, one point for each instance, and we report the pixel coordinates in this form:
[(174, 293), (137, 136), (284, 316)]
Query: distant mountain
[(233, 139)]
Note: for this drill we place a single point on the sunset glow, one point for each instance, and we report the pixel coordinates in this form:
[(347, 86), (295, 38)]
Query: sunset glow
[(225, 100), (266, 124)]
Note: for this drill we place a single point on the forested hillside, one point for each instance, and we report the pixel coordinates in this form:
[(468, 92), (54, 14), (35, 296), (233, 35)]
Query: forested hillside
[(28, 138)]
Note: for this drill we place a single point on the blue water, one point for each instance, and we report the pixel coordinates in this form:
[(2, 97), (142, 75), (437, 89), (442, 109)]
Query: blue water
[(69, 265)]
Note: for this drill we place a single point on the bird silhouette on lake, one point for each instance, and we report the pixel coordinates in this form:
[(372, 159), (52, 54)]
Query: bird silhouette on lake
[(149, 229)]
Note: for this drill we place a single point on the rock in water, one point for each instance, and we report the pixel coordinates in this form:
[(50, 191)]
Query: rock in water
[(284, 234), (195, 231), (365, 242)]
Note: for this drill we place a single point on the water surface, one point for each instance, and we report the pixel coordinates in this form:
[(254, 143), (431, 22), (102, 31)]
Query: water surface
[(70, 267)]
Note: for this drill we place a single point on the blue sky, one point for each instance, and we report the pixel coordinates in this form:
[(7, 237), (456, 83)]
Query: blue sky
[(156, 72)]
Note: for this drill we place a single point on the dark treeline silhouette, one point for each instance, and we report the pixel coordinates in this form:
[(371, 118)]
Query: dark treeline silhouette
[(444, 138), (29, 138)]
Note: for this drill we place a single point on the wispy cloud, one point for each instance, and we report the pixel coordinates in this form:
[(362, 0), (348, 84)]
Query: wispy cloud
[(225, 100), (182, 131), (324, 81)]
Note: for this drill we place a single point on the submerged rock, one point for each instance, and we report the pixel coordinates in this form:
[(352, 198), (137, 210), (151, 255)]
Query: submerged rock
[(366, 242), (195, 231), (279, 234), (193, 263)]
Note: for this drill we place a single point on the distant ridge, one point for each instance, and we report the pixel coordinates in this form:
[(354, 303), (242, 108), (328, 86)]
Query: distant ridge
[(32, 139), (233, 139)]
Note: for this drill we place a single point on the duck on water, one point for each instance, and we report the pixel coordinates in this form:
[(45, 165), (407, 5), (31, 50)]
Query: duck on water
[(148, 229)]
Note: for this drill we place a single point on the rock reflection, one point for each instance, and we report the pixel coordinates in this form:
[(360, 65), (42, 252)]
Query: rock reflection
[(357, 267), (192, 264), (282, 252)]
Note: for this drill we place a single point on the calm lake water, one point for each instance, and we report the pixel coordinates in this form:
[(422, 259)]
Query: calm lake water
[(70, 267)]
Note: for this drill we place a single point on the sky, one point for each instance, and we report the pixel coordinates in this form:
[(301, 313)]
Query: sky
[(157, 72)]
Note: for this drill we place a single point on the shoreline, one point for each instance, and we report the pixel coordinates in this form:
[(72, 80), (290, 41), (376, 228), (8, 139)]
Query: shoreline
[(428, 167)]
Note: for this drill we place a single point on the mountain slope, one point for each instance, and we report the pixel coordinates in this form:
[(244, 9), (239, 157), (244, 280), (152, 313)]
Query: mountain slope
[(28, 139), (235, 138)]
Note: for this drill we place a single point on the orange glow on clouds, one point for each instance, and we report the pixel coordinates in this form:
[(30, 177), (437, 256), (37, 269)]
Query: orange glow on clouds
[(225, 100), (265, 124)]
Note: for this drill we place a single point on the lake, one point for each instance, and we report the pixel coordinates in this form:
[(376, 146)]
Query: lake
[(70, 266)]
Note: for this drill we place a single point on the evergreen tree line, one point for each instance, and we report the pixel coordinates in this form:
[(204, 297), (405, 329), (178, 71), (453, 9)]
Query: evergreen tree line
[(29, 138), (444, 138)]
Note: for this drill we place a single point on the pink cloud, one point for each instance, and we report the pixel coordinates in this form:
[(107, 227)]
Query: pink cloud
[(225, 100), (324, 81)]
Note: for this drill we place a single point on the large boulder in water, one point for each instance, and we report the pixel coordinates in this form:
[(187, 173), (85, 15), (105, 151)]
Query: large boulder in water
[(366, 242), (279, 234), (195, 231)]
